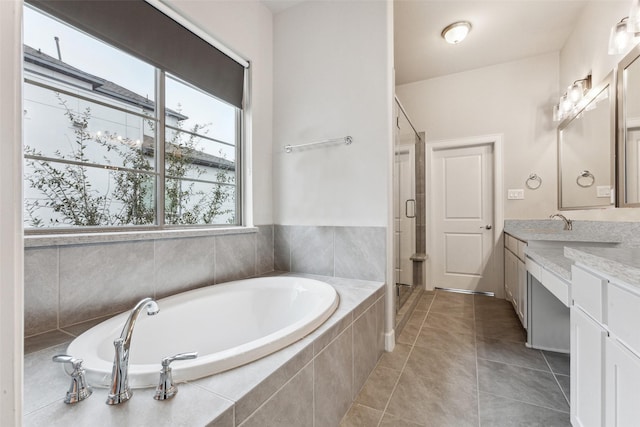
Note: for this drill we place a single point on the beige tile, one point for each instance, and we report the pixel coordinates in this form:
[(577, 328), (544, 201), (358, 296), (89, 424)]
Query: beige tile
[(526, 385), (439, 367), (452, 323), (392, 421), (377, 390), (425, 302), (513, 353), (397, 358), (444, 340), (502, 329), (361, 416), (436, 404), (46, 340)]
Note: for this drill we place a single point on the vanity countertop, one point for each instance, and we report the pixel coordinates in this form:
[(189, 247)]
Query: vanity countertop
[(619, 263), (552, 231), (553, 259), (541, 234)]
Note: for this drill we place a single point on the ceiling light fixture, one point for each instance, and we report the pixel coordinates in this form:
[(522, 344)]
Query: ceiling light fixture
[(456, 32)]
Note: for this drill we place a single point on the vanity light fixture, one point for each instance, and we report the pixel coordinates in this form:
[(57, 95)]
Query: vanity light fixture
[(633, 23), (571, 99), (621, 37), (456, 32)]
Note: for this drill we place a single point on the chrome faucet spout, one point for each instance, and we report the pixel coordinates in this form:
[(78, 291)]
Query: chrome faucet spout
[(119, 391), (568, 224)]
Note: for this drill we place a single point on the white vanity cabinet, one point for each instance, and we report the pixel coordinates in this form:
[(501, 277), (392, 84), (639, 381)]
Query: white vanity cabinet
[(515, 276), (605, 351)]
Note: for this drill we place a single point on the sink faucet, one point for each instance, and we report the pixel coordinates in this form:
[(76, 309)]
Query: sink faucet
[(568, 224), (119, 391)]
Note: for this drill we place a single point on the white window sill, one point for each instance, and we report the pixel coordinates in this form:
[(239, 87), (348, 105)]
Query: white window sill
[(32, 241)]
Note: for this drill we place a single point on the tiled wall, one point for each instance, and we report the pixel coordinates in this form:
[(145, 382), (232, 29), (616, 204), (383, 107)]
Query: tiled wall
[(68, 284), (349, 252)]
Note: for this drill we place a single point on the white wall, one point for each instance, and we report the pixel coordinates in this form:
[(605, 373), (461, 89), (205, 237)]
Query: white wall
[(514, 99), (332, 78), (11, 253), (584, 51), (247, 28)]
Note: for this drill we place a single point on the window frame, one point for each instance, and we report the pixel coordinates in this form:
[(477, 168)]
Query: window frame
[(242, 220)]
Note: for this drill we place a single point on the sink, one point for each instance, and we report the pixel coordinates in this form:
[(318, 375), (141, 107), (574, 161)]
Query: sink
[(542, 231)]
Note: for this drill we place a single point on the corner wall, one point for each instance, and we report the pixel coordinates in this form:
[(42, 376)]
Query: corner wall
[(331, 80), (514, 99)]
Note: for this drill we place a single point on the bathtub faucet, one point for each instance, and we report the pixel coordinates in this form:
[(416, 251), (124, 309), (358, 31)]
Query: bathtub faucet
[(119, 391)]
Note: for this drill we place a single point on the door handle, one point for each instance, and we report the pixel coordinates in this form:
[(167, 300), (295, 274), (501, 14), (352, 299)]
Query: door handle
[(487, 227), (406, 208)]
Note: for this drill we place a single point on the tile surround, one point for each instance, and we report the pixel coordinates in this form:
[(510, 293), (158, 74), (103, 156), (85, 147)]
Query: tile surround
[(307, 383), (349, 252), (70, 284)]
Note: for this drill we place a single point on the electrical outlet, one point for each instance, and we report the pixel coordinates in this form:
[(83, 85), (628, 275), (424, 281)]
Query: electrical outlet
[(515, 194)]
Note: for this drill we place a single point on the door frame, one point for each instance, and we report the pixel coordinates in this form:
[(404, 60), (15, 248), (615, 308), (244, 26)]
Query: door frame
[(496, 141)]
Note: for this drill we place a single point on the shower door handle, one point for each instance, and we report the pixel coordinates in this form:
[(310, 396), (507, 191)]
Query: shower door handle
[(406, 208)]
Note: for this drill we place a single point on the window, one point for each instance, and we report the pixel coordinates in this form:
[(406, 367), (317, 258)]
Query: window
[(112, 141)]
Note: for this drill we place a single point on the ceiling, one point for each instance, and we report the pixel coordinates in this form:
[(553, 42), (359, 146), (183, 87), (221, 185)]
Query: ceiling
[(503, 31)]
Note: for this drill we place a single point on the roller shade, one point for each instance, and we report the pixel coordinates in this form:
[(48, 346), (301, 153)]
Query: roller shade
[(140, 29)]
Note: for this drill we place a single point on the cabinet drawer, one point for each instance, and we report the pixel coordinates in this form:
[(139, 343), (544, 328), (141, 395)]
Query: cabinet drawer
[(534, 269), (587, 291), (556, 286), (511, 243), (521, 246), (623, 316)]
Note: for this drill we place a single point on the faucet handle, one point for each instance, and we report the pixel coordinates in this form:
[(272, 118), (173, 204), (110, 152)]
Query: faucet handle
[(166, 389), (79, 390)]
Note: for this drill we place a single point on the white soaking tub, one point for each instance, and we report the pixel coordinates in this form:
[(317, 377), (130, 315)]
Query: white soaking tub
[(228, 325)]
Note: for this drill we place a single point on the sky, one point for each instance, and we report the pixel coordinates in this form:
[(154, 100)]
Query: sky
[(95, 57)]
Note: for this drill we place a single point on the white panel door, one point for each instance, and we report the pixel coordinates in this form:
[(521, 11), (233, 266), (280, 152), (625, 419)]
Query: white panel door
[(462, 200)]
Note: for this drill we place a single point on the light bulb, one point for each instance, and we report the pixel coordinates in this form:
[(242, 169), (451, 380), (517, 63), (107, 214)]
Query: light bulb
[(620, 38), (576, 91), (565, 104)]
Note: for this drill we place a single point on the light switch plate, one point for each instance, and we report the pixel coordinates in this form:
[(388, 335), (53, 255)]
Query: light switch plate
[(603, 191), (515, 194)]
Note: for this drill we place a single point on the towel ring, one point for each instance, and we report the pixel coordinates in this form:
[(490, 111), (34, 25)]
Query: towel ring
[(533, 182), (588, 175)]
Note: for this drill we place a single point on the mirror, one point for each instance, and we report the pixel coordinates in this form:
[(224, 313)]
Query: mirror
[(586, 151), (629, 130)]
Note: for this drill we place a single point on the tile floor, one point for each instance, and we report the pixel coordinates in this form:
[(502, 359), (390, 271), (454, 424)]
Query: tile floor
[(461, 361)]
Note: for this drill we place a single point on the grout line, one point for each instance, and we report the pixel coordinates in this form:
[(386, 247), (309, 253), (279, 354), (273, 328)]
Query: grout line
[(475, 345), (556, 379), (386, 406), (529, 403)]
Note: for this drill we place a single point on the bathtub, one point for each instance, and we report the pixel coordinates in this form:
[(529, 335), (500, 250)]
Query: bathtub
[(228, 325)]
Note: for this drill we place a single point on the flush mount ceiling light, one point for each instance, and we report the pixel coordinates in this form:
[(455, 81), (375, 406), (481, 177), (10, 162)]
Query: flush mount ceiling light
[(456, 32)]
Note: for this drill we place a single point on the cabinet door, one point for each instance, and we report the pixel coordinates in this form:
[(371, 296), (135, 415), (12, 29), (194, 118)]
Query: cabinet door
[(510, 273), (587, 370), (522, 292), (622, 406)]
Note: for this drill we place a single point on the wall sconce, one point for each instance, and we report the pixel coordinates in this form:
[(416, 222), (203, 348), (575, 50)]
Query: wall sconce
[(625, 32), (571, 99)]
